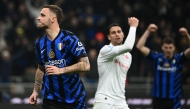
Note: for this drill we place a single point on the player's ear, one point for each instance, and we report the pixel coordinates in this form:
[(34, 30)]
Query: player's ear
[(174, 48), (53, 19), (109, 37), (162, 47)]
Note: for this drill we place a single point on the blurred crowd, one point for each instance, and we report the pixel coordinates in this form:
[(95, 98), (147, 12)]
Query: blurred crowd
[(88, 19)]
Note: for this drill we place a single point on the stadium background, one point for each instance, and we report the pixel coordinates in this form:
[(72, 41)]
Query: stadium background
[(88, 19)]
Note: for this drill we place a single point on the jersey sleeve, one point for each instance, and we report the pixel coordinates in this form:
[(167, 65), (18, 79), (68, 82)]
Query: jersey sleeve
[(76, 47), (37, 52), (181, 56), (153, 55), (109, 51)]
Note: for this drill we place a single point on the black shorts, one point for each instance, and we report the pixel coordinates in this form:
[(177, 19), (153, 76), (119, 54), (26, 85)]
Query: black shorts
[(50, 104), (164, 103)]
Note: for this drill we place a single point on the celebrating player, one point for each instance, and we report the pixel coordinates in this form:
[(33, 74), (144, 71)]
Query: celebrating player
[(61, 56), (114, 61)]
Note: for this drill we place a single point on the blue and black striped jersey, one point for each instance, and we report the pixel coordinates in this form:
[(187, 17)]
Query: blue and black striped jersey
[(167, 77), (64, 50)]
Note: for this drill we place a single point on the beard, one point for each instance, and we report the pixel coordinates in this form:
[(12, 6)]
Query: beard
[(42, 26)]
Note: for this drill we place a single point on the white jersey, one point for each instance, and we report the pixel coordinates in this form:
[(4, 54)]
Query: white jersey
[(113, 65)]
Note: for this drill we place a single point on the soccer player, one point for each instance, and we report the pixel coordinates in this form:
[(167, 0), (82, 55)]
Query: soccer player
[(61, 56), (114, 61), (167, 87)]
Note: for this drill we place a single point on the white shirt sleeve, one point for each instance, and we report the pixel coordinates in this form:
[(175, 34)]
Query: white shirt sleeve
[(109, 51)]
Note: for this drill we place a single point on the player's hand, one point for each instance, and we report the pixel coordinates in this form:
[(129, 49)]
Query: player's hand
[(33, 98), (52, 70), (133, 22), (152, 28), (183, 31)]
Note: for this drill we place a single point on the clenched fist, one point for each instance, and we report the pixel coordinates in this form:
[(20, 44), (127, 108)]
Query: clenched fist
[(183, 31), (133, 22), (152, 28)]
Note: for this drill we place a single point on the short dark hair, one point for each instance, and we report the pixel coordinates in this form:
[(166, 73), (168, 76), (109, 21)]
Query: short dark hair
[(58, 11), (111, 25), (168, 40)]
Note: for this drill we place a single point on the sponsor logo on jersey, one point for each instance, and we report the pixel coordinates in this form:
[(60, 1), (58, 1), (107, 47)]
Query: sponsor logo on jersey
[(171, 69), (121, 64), (80, 48), (79, 44), (58, 63), (126, 57)]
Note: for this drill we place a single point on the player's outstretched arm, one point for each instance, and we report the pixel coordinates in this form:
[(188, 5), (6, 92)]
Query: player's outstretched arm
[(141, 43), (82, 65), (183, 31), (129, 42)]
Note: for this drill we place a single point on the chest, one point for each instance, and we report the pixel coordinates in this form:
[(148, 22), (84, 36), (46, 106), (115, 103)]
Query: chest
[(123, 61), (54, 54), (168, 66)]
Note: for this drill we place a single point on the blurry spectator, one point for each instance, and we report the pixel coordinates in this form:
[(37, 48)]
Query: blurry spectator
[(29, 74), (100, 40), (90, 19), (16, 86), (5, 26), (34, 7), (92, 75), (5, 66), (25, 58), (10, 11), (4, 97), (3, 44)]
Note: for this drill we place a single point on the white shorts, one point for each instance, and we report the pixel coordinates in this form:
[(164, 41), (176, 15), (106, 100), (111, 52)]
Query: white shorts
[(99, 105)]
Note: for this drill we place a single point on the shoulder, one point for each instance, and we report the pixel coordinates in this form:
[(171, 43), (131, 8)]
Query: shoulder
[(106, 48), (156, 53), (179, 55), (40, 39), (68, 34), (69, 37)]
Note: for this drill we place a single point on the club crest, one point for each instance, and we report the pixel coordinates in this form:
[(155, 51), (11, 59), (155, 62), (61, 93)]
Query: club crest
[(51, 54)]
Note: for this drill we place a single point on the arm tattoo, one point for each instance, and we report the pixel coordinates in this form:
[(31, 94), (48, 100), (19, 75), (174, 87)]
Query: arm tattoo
[(86, 62), (38, 80), (77, 67), (82, 66)]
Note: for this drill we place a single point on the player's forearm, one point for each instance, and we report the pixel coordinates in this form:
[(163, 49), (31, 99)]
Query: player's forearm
[(82, 66), (187, 51), (129, 42), (143, 39), (38, 80), (188, 38)]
